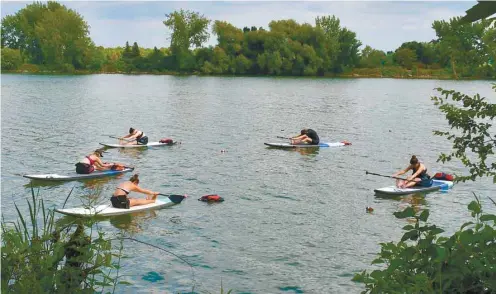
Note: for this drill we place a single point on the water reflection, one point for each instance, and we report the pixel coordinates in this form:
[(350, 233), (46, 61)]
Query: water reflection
[(133, 152), (303, 151), (132, 222)]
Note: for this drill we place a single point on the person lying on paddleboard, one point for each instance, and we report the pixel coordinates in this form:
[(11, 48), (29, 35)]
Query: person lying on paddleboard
[(135, 137), (120, 200), (419, 176), (307, 136), (93, 162)]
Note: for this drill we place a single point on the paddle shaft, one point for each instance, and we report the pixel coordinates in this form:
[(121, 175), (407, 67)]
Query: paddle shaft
[(398, 178)]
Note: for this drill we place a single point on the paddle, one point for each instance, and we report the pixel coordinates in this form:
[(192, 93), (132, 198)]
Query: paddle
[(174, 197), (398, 178)]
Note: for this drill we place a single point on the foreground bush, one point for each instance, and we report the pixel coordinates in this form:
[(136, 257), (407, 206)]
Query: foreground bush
[(423, 262), (40, 257)]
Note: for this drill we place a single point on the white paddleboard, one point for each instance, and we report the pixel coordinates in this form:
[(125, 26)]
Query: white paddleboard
[(75, 176), (321, 144), (108, 210), (150, 144), (436, 185)]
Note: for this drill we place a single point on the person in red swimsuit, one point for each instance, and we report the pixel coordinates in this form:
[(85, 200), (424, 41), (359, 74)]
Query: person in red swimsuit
[(91, 162)]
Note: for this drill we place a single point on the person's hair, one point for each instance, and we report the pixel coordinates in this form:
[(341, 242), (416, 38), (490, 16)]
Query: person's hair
[(413, 160), (134, 179), (303, 132), (98, 152), (131, 130)]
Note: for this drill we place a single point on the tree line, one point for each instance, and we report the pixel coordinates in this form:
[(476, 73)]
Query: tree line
[(50, 36)]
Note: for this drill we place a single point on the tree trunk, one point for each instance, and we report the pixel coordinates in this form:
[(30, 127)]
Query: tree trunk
[(453, 66)]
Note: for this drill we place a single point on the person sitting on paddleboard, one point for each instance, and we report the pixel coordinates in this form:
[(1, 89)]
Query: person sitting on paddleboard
[(307, 136), (120, 200), (135, 137), (91, 162), (419, 176)]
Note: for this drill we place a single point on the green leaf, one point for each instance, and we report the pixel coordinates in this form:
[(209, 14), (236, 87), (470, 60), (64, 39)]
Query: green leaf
[(424, 215), (408, 227), (466, 224), (408, 212), (377, 260), (412, 235), (441, 253), (474, 207), (488, 217), (124, 283), (436, 231)]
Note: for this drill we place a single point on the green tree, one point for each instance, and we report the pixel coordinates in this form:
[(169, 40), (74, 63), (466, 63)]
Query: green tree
[(331, 47), (348, 50), (462, 43), (188, 29), (471, 117), (48, 34), (405, 57), (11, 59), (372, 58), (228, 36), (135, 52)]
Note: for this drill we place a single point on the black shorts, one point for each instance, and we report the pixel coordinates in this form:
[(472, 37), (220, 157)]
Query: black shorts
[(143, 140), (315, 142), (120, 201), (84, 168)]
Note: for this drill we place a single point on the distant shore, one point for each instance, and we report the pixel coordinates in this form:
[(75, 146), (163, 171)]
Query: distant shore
[(390, 73)]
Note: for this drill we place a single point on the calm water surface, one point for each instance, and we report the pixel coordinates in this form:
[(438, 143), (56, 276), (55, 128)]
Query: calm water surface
[(292, 222)]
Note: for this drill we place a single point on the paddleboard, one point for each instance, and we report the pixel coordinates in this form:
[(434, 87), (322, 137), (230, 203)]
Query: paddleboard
[(76, 176), (108, 210), (150, 144), (436, 185), (322, 144)]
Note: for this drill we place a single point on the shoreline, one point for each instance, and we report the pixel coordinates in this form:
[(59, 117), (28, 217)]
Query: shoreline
[(350, 75)]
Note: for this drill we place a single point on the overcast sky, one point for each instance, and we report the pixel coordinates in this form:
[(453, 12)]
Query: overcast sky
[(384, 25)]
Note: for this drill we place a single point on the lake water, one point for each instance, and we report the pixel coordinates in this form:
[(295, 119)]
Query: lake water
[(292, 221)]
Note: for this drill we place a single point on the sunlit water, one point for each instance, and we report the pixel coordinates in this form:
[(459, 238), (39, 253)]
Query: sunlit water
[(292, 221)]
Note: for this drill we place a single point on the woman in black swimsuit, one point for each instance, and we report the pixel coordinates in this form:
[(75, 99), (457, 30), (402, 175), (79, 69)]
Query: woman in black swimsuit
[(120, 200), (135, 137)]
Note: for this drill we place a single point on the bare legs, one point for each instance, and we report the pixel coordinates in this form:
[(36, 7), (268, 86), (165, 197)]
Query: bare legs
[(136, 202), (404, 184)]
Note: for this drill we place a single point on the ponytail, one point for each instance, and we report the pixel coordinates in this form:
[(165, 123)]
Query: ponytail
[(134, 179)]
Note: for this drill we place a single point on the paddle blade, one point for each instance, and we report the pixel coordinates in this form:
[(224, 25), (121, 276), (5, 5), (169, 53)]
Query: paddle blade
[(176, 198)]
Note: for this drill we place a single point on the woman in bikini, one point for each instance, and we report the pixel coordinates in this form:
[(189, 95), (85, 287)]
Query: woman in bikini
[(135, 137), (120, 200), (419, 176), (93, 162)]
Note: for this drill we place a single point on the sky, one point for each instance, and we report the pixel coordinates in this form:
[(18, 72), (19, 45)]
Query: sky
[(383, 25)]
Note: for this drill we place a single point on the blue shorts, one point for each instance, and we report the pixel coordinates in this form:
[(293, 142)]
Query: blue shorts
[(425, 182)]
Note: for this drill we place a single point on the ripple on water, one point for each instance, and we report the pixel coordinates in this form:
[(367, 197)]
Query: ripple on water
[(305, 207)]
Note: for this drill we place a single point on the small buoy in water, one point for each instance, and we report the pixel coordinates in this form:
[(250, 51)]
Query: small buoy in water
[(369, 209), (223, 151), (211, 198)]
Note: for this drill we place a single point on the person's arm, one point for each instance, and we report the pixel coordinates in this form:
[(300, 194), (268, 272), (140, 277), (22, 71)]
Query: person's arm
[(419, 171), (100, 164), (402, 171), (144, 191)]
